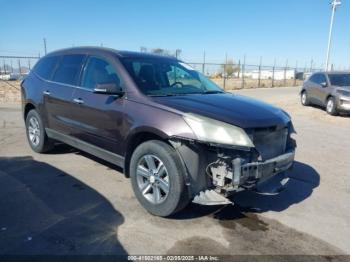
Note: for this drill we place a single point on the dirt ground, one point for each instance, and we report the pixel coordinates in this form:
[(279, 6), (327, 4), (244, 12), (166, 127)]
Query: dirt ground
[(236, 83), (68, 202), (10, 91)]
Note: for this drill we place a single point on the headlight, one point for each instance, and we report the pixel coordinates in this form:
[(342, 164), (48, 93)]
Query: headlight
[(343, 92), (210, 130)]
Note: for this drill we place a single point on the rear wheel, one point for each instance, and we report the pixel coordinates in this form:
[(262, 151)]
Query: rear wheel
[(304, 99), (36, 134), (157, 177), (331, 107)]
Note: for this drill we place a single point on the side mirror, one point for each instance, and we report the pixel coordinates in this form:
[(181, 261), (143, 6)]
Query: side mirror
[(108, 89), (324, 84)]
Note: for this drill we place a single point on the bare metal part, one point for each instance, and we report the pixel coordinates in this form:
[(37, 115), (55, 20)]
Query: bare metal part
[(230, 178), (211, 198)]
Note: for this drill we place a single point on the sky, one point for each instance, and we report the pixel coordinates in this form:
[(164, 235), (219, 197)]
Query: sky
[(281, 30)]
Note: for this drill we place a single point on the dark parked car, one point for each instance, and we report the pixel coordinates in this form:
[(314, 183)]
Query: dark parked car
[(176, 134), (330, 90)]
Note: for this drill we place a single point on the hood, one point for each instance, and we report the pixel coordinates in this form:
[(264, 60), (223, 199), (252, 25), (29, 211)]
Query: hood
[(345, 88), (233, 109)]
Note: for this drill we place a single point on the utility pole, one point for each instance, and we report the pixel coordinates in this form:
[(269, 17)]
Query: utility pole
[(334, 4), (203, 67), (45, 51)]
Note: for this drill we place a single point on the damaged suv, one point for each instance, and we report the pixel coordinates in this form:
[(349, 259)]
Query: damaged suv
[(176, 134)]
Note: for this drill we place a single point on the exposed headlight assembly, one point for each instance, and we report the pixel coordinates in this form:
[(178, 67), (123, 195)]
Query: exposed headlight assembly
[(210, 130)]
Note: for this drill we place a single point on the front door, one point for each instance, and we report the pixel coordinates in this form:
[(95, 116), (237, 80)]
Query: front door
[(98, 117)]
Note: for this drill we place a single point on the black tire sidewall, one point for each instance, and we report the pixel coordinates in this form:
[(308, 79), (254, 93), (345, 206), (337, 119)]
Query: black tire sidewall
[(41, 146), (177, 188)]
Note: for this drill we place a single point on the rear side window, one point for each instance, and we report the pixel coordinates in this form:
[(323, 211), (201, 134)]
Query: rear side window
[(69, 69), (45, 66), (314, 78), (318, 78)]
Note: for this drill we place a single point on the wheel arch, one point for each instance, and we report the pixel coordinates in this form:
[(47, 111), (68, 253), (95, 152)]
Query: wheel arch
[(137, 138), (29, 106), (328, 97)]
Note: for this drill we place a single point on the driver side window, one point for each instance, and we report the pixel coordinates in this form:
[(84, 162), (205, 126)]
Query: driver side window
[(98, 71)]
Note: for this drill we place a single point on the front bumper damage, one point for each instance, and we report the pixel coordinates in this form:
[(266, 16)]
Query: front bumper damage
[(216, 172), (240, 176)]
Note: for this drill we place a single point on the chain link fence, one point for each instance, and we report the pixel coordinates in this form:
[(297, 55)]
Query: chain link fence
[(16, 67), (238, 76), (228, 75)]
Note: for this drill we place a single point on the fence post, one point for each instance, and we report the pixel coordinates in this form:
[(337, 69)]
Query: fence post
[(243, 72), (19, 67), (203, 66), (259, 80), (285, 73), (11, 67), (225, 76), (225, 71), (3, 61), (29, 64), (311, 64), (295, 73), (239, 68)]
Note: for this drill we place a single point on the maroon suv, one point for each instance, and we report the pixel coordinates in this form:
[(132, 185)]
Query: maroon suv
[(175, 133)]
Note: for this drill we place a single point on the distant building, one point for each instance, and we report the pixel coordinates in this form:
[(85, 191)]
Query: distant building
[(269, 74)]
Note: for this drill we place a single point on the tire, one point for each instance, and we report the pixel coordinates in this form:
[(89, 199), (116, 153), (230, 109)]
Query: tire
[(36, 135), (331, 106), (150, 156), (304, 99)]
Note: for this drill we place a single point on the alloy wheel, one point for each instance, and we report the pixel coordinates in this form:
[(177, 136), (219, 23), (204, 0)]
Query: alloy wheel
[(330, 105), (152, 179), (34, 131), (303, 98)]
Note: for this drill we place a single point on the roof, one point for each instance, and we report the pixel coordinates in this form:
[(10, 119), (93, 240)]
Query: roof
[(98, 49)]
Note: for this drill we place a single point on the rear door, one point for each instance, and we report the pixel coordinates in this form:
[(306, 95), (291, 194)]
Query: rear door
[(322, 91), (98, 117), (59, 91), (314, 84)]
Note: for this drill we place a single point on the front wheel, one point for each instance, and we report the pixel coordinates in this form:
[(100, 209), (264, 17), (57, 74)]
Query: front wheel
[(331, 107), (36, 134), (158, 178)]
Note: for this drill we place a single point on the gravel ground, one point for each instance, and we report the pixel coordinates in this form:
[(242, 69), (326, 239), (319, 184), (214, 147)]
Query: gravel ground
[(69, 202)]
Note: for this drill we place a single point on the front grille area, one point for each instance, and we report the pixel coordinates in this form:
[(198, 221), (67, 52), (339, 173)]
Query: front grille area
[(270, 142)]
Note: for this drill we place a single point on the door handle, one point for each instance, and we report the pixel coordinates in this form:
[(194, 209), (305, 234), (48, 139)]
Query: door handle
[(47, 92), (78, 101)]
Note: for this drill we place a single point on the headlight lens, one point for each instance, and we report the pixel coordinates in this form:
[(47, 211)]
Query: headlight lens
[(343, 92), (210, 130)]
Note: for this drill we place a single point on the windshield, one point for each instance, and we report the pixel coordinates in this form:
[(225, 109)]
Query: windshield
[(163, 77), (339, 79)]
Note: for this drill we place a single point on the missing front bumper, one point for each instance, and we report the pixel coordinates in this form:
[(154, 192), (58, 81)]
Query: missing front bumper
[(261, 171), (240, 176)]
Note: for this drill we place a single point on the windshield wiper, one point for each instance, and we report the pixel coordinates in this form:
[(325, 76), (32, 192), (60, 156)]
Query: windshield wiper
[(212, 92), (170, 94)]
